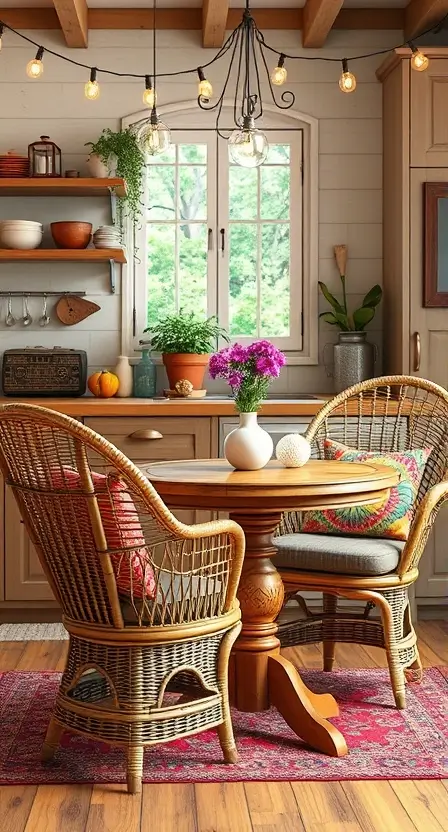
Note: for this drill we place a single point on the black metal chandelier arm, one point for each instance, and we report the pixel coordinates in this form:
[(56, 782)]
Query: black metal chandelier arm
[(258, 96), (204, 103), (287, 96)]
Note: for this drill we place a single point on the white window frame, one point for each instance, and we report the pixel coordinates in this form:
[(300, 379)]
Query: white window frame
[(134, 290)]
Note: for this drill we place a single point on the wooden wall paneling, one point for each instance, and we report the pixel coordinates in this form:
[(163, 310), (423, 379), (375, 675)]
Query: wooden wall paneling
[(318, 18), (421, 14), (214, 20), (73, 16), (429, 126)]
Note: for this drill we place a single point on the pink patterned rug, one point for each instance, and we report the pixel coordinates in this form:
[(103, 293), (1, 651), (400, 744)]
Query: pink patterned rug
[(384, 743)]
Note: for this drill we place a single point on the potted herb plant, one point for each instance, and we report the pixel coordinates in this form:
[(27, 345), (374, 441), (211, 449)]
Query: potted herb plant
[(186, 342), (354, 356), (128, 163)]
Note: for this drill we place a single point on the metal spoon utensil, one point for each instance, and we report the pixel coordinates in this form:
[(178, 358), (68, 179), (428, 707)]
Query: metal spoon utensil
[(10, 319), (27, 319), (44, 320)]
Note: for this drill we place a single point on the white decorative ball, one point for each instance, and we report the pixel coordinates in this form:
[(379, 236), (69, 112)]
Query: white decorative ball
[(293, 450)]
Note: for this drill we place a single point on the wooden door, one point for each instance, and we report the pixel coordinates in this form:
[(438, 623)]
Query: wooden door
[(24, 576), (429, 124), (430, 326)]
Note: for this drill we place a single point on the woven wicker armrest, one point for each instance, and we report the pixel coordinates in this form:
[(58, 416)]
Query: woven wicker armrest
[(424, 518)]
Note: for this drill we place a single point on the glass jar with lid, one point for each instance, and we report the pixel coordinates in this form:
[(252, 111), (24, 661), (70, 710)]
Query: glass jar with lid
[(45, 158)]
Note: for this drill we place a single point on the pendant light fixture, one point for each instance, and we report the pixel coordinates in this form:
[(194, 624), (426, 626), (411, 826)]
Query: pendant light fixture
[(153, 136), (248, 145)]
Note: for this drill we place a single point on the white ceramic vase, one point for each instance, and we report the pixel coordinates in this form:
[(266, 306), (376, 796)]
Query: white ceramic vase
[(248, 447), (96, 167), (123, 371)]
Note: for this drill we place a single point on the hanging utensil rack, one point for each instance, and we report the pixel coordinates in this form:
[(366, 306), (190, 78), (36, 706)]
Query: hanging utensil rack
[(22, 294)]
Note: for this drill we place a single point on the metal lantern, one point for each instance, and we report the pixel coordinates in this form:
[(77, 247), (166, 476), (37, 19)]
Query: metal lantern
[(45, 158)]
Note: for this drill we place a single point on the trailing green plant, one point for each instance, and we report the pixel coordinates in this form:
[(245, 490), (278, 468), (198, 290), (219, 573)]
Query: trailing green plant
[(185, 333), (130, 166), (340, 316)]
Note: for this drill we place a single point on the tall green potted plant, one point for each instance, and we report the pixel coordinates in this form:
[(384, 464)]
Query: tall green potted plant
[(186, 342), (354, 356)]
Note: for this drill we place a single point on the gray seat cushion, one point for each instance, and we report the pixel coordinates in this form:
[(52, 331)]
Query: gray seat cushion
[(337, 554)]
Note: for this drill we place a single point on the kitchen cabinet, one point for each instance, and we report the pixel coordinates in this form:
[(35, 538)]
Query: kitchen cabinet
[(415, 131), (24, 576)]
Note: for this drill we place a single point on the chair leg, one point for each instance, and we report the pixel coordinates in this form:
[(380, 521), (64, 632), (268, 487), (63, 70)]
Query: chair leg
[(226, 738), (51, 741), (396, 669), (330, 603), (135, 769)]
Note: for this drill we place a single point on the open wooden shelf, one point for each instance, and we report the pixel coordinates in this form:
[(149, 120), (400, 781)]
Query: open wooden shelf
[(62, 187), (85, 255)]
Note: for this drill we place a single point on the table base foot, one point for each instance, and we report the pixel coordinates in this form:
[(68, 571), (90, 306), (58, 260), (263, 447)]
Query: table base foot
[(304, 711)]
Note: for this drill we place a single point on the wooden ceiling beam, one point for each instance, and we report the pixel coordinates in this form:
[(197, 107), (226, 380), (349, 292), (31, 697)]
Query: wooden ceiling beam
[(214, 21), (73, 17), (318, 19), (422, 14)]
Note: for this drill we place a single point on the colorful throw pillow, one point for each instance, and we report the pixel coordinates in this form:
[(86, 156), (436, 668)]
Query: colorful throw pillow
[(122, 528), (393, 517)]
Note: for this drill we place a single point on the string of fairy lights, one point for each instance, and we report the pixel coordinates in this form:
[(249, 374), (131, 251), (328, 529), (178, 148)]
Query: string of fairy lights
[(245, 47)]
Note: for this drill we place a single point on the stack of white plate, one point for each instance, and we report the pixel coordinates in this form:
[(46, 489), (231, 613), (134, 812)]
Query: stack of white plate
[(21, 234), (107, 236)]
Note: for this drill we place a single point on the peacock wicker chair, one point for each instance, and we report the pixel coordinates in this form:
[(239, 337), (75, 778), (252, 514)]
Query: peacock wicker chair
[(387, 414), (150, 664)]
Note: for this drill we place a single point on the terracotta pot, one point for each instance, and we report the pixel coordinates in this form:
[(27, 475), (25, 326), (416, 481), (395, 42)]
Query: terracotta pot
[(185, 365), (71, 234)]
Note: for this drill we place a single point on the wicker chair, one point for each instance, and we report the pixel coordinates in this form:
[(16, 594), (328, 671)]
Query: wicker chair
[(143, 667), (386, 414)]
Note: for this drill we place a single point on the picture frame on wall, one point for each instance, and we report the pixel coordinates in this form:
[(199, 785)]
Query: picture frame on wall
[(435, 274)]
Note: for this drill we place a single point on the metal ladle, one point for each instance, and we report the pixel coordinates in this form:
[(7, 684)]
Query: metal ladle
[(44, 320), (27, 319), (10, 319)]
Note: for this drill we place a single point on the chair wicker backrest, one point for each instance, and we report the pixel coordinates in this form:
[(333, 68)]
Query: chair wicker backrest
[(387, 414), (48, 459)]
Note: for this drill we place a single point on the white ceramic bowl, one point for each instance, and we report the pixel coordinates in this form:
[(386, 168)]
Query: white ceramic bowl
[(21, 223), (20, 237)]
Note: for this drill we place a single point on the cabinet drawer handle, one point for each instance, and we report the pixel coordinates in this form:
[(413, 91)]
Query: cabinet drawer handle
[(147, 433), (418, 352)]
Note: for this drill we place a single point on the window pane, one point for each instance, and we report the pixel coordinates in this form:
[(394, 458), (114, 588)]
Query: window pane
[(192, 242), (192, 193), (275, 185), (168, 157), (275, 280), (243, 280), (193, 153), (243, 189), (278, 154), (161, 271), (161, 190)]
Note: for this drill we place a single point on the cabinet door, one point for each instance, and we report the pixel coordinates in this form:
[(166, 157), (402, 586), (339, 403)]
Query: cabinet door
[(24, 576), (172, 437), (430, 326), (429, 124)]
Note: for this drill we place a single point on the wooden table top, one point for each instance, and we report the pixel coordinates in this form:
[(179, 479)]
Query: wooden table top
[(319, 483)]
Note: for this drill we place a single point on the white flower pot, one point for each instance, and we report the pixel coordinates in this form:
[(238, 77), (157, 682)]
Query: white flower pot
[(248, 447), (96, 167)]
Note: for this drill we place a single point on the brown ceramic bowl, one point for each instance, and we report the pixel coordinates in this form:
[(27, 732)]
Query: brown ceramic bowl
[(71, 234)]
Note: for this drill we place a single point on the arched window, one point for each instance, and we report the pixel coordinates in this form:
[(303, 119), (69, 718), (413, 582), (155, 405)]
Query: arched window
[(221, 239)]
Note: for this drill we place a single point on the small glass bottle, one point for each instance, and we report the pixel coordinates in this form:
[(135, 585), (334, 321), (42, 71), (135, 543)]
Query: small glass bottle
[(145, 376)]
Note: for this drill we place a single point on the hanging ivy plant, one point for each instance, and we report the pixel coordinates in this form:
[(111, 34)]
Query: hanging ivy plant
[(130, 167)]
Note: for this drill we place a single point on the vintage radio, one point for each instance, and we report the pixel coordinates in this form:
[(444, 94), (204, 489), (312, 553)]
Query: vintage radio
[(40, 371)]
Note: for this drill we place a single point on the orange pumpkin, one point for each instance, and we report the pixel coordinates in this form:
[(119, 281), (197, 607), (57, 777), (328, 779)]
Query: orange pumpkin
[(104, 385)]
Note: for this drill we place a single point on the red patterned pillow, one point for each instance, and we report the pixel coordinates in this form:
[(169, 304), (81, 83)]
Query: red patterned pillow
[(133, 571)]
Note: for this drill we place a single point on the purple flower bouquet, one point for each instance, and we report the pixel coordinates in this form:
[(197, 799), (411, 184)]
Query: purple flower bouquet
[(248, 371)]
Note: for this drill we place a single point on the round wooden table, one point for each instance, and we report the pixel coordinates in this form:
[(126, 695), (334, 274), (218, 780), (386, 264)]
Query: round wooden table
[(260, 676)]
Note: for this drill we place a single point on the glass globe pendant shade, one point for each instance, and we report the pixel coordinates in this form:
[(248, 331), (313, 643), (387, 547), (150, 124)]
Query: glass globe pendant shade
[(248, 147), (154, 137)]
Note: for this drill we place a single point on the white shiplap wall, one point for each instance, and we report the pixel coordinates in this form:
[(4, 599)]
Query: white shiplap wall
[(350, 164)]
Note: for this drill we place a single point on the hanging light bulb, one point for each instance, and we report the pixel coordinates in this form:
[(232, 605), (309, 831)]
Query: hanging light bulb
[(248, 146), (92, 88), (347, 81), (154, 136), (35, 68), (279, 74), (205, 89), (149, 94), (419, 61), (2, 29)]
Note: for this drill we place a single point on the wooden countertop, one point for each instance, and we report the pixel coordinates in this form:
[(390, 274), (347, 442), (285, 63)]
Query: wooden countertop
[(89, 406)]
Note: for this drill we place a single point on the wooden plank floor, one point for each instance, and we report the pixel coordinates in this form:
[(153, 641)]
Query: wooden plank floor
[(381, 806)]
